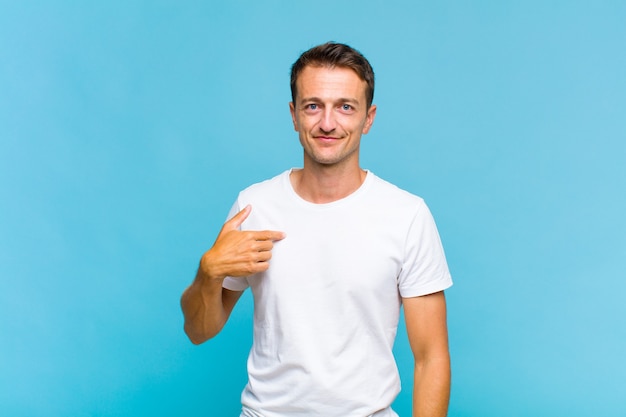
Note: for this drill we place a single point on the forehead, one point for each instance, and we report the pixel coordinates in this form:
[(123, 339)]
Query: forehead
[(325, 82)]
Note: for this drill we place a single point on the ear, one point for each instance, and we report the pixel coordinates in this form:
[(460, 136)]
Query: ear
[(292, 110), (369, 119)]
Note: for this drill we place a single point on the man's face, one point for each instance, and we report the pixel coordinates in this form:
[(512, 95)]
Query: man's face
[(330, 114)]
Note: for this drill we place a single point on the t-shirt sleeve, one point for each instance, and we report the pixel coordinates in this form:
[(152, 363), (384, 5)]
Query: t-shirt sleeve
[(231, 283), (424, 270)]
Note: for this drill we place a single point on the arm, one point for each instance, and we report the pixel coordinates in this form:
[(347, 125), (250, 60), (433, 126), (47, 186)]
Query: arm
[(206, 305), (428, 336)]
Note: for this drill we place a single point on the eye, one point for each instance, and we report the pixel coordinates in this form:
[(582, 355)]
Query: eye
[(312, 106), (346, 107)]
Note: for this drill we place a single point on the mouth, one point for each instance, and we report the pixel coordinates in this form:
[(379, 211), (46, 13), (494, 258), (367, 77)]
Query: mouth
[(326, 138)]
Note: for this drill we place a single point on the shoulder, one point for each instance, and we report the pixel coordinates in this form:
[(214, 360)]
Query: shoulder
[(390, 194), (270, 185)]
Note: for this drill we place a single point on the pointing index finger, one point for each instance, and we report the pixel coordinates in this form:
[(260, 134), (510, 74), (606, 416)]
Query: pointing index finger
[(272, 235), (237, 220)]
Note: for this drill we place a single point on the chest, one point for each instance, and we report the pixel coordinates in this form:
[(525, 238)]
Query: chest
[(332, 253)]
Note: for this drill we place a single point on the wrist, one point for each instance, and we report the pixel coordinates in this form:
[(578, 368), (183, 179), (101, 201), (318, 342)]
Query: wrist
[(208, 272)]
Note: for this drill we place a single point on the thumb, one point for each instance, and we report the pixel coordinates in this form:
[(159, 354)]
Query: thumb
[(237, 219)]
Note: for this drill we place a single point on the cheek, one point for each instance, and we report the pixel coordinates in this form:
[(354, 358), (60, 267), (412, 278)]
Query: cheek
[(308, 123)]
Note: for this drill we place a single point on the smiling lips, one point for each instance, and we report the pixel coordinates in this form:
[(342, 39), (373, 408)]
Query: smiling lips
[(326, 138)]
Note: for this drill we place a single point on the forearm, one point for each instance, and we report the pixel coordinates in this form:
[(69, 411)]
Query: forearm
[(203, 308), (431, 389)]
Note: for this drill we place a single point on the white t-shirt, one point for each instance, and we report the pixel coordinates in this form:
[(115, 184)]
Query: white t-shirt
[(327, 309)]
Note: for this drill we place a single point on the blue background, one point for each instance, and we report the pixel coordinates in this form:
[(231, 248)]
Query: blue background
[(128, 127)]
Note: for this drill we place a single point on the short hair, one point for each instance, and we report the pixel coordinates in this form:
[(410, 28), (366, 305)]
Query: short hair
[(332, 55)]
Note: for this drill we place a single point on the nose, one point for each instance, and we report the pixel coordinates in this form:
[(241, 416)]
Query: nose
[(327, 123)]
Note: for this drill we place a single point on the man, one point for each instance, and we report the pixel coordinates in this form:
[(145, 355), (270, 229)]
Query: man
[(347, 251)]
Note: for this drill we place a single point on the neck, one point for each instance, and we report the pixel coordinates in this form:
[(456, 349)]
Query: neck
[(325, 184)]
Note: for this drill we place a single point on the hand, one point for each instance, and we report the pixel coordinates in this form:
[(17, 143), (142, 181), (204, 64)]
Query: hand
[(239, 254)]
